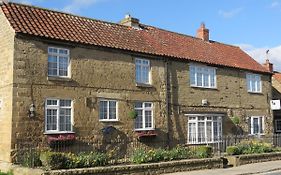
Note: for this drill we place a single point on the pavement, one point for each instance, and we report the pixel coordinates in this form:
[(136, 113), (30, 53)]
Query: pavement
[(264, 168)]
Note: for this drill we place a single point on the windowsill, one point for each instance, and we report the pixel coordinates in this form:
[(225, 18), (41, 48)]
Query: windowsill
[(144, 85), (258, 93), (204, 143), (58, 132), (145, 129), (256, 134), (57, 78), (108, 120), (211, 88)]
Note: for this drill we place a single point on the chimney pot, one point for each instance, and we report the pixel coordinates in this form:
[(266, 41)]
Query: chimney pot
[(268, 65), (203, 32)]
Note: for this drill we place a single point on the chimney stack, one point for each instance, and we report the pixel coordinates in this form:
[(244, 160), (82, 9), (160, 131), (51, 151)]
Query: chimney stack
[(268, 66), (130, 21), (203, 33)]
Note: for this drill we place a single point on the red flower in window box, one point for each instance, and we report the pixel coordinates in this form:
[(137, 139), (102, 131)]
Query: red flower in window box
[(146, 133), (60, 138)]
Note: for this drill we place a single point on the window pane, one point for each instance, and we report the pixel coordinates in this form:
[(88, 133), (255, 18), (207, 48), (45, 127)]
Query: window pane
[(255, 125), (51, 119), (148, 119), (63, 66), (138, 120), (142, 71), (103, 110), (52, 102), (192, 132), (65, 120), (58, 61), (199, 79), (201, 132), (138, 105), (65, 103), (192, 75), (138, 73), (112, 109), (209, 132)]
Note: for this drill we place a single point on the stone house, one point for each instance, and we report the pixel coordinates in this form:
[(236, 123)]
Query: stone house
[(63, 74)]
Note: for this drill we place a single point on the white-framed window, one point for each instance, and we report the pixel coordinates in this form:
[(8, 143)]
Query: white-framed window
[(278, 125), (58, 115), (142, 71), (257, 125), (254, 83), (144, 120), (108, 110), (58, 62), (202, 76), (204, 128)]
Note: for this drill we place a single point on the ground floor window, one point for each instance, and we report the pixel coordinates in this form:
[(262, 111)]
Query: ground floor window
[(278, 125), (58, 115), (257, 125), (144, 120), (204, 128)]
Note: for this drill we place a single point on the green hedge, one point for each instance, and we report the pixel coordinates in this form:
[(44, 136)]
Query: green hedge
[(56, 160), (250, 147), (144, 156), (8, 173)]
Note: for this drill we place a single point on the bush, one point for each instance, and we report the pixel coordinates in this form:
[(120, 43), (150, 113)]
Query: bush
[(179, 153), (233, 150), (203, 152), (52, 160), (142, 156), (31, 159)]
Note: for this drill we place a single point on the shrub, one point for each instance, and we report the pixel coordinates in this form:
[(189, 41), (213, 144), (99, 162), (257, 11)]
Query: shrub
[(179, 153), (53, 160), (203, 152), (31, 159), (140, 156), (233, 150)]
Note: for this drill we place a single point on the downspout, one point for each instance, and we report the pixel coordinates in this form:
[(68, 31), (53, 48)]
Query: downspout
[(167, 101)]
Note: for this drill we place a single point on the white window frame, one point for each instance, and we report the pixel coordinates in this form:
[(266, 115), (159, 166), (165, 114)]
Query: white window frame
[(143, 108), (253, 83), (116, 108), (206, 120), (58, 55), (204, 70), (276, 124), (259, 123), (58, 107), (142, 66)]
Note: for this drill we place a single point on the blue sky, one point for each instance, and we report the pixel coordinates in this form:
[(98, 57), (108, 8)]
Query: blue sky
[(254, 25)]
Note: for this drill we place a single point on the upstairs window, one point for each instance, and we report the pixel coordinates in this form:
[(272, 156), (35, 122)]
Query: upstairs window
[(202, 76), (142, 71), (58, 62), (58, 115), (254, 83)]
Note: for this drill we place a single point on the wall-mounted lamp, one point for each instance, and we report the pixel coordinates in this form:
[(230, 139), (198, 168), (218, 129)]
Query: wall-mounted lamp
[(31, 111)]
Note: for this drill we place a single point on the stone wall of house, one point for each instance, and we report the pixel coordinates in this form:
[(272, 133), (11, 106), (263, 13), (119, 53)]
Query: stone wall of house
[(95, 74), (230, 98), (98, 73), (6, 86)]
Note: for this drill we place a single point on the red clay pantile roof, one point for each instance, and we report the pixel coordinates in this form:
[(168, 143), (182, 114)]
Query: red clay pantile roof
[(151, 40), (277, 76)]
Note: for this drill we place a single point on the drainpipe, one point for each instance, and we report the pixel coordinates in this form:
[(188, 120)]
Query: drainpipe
[(167, 101)]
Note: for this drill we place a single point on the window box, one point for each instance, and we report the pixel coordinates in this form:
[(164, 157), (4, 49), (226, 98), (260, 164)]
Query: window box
[(65, 138), (146, 133)]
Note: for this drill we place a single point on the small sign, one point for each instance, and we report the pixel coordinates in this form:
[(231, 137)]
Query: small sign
[(275, 104)]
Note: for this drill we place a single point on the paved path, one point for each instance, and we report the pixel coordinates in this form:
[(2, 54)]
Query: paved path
[(265, 168)]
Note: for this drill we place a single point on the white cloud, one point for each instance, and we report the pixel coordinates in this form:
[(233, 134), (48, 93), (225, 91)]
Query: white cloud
[(275, 4), (259, 54), (77, 5), (230, 13)]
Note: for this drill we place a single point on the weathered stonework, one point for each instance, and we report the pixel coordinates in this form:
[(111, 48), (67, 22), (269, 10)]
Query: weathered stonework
[(6, 86)]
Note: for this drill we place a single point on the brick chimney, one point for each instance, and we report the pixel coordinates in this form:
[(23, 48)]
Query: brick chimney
[(268, 65), (130, 21), (203, 33)]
